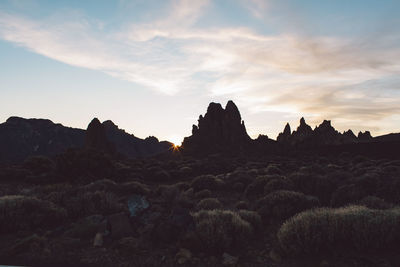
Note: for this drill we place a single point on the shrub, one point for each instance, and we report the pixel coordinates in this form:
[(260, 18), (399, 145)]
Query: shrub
[(316, 185), (86, 165), (88, 203), (39, 164), (203, 194), (278, 184), (209, 182), (252, 217), (133, 188), (242, 205), (157, 174), (373, 202), (101, 185), (330, 230), (280, 205), (25, 213), (169, 193), (240, 176), (273, 169), (347, 194), (209, 204), (256, 188), (221, 230)]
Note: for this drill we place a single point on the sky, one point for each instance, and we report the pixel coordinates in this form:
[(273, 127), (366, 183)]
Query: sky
[(152, 67)]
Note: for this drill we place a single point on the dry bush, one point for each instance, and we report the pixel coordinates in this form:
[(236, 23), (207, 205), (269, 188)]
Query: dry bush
[(25, 213), (278, 184), (373, 202), (133, 188), (252, 217), (256, 188), (221, 230), (280, 205), (209, 182), (209, 204), (203, 194), (344, 229), (347, 194), (89, 203)]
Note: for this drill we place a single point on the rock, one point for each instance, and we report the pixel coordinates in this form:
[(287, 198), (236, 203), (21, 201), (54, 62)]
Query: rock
[(303, 131), (120, 225), (285, 135), (137, 204), (98, 240), (220, 130), (96, 138), (364, 136), (183, 256), (229, 260)]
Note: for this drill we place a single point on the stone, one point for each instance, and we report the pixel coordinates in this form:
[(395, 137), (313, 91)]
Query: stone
[(285, 135), (183, 256), (96, 138), (98, 240), (120, 225), (229, 260), (137, 204), (220, 130)]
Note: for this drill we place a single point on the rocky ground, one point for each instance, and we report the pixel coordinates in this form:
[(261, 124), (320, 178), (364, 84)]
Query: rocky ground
[(83, 208)]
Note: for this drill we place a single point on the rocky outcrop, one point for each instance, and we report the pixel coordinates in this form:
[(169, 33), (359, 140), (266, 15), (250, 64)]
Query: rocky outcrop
[(21, 138), (323, 135), (220, 130), (364, 136), (285, 135), (96, 138), (132, 146)]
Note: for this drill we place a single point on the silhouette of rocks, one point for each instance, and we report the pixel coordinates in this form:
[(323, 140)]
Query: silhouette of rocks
[(132, 146), (21, 138), (285, 135), (349, 137), (96, 138), (219, 130), (364, 136), (302, 133)]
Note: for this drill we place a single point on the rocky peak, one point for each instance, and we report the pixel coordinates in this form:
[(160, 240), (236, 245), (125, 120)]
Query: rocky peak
[(349, 133), (96, 137), (285, 135), (364, 136), (303, 131), (220, 129)]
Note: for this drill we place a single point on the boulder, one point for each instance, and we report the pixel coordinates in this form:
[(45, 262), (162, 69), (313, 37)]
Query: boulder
[(120, 225)]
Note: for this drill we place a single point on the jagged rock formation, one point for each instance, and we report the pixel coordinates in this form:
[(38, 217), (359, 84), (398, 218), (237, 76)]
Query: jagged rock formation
[(220, 130), (285, 135), (132, 146), (21, 138), (364, 136), (96, 138), (324, 134)]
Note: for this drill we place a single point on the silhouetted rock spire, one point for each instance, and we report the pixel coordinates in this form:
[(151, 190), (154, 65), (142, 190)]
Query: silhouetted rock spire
[(219, 130), (285, 135), (364, 136), (96, 137)]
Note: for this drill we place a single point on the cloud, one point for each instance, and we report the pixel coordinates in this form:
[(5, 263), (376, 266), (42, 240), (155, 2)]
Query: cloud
[(321, 76)]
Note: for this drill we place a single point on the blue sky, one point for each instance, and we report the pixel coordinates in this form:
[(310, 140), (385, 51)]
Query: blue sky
[(153, 66)]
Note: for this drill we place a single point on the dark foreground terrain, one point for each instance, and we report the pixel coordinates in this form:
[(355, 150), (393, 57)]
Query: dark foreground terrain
[(85, 208), (313, 197)]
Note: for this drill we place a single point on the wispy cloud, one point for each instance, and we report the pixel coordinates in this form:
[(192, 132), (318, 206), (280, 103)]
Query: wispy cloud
[(322, 76)]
